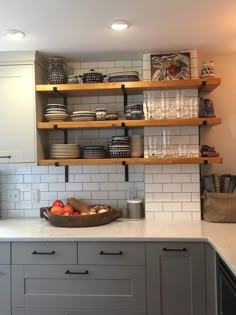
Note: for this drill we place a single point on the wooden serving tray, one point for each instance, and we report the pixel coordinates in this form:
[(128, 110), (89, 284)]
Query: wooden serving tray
[(80, 221)]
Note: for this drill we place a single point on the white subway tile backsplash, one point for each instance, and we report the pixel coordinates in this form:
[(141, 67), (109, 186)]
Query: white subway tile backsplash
[(74, 186), (56, 170), (22, 170), (116, 177), (23, 205), (172, 206), (123, 63), (190, 168), (90, 187), (148, 178), (100, 195), (153, 188), (196, 216), (117, 195), (56, 187), (45, 195), (39, 170), (154, 206), (171, 169), (48, 178), (161, 178), (192, 206), (181, 178), (171, 187), (162, 197), (190, 187), (195, 196), (149, 197), (153, 169), (15, 179), (184, 197), (32, 178), (108, 186)]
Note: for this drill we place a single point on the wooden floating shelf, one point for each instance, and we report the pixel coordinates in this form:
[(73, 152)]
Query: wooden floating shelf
[(130, 161), (131, 88), (130, 123)]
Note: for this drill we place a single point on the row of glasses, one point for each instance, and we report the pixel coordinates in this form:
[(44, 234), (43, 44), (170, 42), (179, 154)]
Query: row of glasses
[(159, 147), (163, 106)]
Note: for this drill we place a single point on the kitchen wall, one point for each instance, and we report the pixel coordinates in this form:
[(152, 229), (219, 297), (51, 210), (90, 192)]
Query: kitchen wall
[(223, 137), (171, 192)]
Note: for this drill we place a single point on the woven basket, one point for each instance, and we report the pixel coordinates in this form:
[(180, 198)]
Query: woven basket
[(80, 221)]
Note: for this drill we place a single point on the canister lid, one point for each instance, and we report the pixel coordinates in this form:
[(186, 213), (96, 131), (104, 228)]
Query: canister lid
[(135, 201)]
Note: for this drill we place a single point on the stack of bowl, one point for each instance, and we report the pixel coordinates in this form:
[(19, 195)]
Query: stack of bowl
[(56, 112), (136, 146), (134, 111), (119, 147), (93, 152), (83, 115), (64, 151)]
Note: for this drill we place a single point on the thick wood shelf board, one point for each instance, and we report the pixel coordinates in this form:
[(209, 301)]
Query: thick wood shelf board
[(132, 88), (130, 123), (130, 161)]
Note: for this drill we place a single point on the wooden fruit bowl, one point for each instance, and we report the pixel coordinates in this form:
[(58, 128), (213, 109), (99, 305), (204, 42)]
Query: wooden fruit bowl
[(82, 220)]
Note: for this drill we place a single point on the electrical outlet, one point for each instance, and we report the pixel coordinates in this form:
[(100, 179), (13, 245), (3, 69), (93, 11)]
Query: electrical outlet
[(35, 195), (13, 195)]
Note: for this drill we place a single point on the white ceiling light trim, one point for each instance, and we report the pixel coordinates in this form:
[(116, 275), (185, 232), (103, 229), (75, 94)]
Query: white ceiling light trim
[(119, 25), (14, 35)]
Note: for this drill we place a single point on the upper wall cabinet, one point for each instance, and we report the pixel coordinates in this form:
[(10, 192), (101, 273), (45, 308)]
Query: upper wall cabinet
[(17, 115)]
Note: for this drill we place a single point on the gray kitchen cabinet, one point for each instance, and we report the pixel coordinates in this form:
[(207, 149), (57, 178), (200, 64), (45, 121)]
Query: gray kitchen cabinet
[(211, 280), (112, 283), (47, 253), (78, 286), (31, 311), (5, 279), (175, 278)]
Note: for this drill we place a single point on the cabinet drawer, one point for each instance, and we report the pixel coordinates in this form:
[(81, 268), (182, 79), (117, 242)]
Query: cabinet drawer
[(79, 286), (111, 253), (44, 253), (40, 311), (5, 253)]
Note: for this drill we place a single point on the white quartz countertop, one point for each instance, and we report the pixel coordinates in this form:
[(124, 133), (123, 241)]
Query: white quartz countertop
[(221, 235)]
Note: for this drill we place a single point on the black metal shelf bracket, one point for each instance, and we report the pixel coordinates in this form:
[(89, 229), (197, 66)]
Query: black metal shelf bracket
[(66, 173), (56, 164), (205, 162), (204, 83), (204, 123), (55, 90), (55, 127), (126, 171), (125, 96), (125, 129)]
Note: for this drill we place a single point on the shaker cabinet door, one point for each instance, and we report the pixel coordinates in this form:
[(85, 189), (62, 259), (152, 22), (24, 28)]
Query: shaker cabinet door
[(17, 114), (175, 279), (78, 287), (5, 291)]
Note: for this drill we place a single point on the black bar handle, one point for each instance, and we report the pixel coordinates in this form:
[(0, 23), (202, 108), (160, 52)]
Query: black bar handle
[(68, 272), (110, 253), (174, 250), (43, 253), (5, 157)]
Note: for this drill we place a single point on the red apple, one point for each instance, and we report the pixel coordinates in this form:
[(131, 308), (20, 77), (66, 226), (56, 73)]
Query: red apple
[(76, 213), (58, 203), (56, 210), (68, 209)]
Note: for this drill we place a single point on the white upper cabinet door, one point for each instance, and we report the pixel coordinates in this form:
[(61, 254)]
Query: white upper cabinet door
[(17, 114)]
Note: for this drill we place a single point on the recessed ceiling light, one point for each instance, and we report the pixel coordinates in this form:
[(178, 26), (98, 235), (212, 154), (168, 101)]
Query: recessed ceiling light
[(119, 25), (14, 34)]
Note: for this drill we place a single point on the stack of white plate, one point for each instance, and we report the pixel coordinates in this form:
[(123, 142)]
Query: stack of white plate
[(65, 151), (93, 152), (83, 115), (136, 146), (123, 76), (56, 112)]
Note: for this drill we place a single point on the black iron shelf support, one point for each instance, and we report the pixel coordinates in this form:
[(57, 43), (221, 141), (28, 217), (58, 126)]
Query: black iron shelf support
[(203, 84), (126, 171), (125, 96), (55, 90)]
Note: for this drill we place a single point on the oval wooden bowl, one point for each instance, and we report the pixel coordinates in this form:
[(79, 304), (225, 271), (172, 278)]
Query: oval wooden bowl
[(80, 221)]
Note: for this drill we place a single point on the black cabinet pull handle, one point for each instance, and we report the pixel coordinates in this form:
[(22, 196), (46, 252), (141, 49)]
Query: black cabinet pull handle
[(68, 272), (43, 253), (5, 156), (110, 253), (175, 250)]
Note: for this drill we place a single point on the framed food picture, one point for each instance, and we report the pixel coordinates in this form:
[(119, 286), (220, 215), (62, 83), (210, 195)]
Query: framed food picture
[(170, 66)]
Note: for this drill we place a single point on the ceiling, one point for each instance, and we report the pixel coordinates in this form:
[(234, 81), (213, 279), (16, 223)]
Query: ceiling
[(78, 30)]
